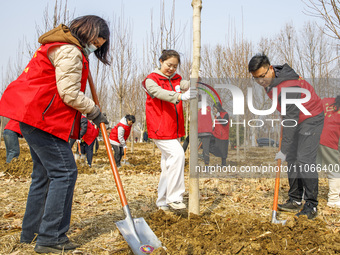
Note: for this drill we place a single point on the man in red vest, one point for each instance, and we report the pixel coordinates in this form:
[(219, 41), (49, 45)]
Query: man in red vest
[(11, 134), (300, 135), (88, 134), (118, 136)]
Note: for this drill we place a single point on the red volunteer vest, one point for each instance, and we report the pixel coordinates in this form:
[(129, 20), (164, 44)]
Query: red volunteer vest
[(14, 126), (331, 129), (33, 98), (204, 121), (164, 120), (314, 105), (220, 131), (91, 133), (114, 132)]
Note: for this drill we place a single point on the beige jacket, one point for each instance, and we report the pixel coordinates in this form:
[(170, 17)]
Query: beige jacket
[(67, 60), (156, 91)]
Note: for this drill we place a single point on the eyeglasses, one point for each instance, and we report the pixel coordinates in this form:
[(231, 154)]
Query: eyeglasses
[(261, 76)]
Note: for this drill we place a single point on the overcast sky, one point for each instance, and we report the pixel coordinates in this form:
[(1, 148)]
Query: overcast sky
[(256, 19)]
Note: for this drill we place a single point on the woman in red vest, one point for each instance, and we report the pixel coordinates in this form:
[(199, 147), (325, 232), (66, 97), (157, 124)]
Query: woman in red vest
[(328, 153), (220, 133), (88, 134), (48, 100), (11, 134), (165, 124), (118, 136)]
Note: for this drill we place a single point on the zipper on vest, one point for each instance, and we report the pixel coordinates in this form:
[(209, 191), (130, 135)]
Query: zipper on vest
[(48, 107), (175, 107)]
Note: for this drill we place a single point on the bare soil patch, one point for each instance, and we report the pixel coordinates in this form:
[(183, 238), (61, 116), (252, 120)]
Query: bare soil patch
[(235, 212)]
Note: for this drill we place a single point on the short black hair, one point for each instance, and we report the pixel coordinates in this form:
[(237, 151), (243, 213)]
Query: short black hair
[(130, 117), (336, 103), (258, 61), (166, 54)]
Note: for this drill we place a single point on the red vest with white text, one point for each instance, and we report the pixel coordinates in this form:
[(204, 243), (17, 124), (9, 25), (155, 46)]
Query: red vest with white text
[(314, 105), (91, 133), (164, 120), (114, 132), (33, 98), (331, 129)]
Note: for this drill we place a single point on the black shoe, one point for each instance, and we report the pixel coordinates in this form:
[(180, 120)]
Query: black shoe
[(58, 248), (290, 206), (309, 210)]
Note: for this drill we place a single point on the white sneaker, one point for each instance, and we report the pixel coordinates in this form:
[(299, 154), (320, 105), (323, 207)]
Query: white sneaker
[(165, 208), (334, 204), (177, 205)]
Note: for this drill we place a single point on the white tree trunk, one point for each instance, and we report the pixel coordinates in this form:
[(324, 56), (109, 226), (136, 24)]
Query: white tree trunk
[(194, 206)]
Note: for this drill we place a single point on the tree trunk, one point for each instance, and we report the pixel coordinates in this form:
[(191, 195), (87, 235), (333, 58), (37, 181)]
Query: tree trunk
[(194, 206)]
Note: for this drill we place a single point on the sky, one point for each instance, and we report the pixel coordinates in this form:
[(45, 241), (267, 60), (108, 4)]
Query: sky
[(253, 19)]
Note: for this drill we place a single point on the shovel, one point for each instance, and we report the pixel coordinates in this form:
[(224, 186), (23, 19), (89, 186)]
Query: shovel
[(276, 190), (136, 232), (77, 155), (124, 158)]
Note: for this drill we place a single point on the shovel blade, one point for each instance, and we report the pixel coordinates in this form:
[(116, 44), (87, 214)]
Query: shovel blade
[(148, 240)]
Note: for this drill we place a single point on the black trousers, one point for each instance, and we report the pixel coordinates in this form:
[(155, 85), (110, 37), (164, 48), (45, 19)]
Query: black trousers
[(118, 153), (301, 158), (206, 147)]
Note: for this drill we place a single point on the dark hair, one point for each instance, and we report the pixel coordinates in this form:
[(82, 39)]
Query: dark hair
[(218, 106), (336, 103), (166, 54), (130, 117), (258, 61), (87, 29)]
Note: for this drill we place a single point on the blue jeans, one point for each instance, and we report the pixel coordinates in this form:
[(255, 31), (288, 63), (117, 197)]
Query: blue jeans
[(12, 145), (88, 150), (49, 201)]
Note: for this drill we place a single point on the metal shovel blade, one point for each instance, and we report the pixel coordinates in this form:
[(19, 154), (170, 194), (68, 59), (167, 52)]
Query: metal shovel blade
[(145, 242), (276, 221)]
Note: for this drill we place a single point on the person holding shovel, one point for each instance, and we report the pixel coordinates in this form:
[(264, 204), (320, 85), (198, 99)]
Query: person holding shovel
[(48, 99), (119, 135), (88, 134), (220, 142), (300, 135), (328, 153), (165, 125)]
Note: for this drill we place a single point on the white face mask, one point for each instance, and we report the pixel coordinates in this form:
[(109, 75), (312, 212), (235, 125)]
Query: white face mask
[(89, 49)]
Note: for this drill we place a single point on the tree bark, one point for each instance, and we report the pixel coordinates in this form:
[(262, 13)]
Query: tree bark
[(194, 206)]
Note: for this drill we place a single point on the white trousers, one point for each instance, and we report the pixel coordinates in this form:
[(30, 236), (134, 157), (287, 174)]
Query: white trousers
[(171, 184)]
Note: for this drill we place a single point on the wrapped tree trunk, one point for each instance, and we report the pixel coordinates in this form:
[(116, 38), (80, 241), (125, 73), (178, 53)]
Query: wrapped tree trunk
[(194, 176)]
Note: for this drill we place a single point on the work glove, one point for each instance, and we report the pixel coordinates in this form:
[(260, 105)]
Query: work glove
[(189, 94), (281, 156), (97, 117)]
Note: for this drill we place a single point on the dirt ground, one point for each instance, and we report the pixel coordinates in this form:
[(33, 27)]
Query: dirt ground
[(235, 212)]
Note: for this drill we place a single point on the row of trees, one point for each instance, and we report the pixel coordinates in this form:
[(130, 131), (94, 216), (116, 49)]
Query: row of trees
[(310, 51)]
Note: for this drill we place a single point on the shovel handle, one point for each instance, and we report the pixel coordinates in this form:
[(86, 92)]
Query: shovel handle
[(79, 150), (277, 178), (108, 147), (124, 153)]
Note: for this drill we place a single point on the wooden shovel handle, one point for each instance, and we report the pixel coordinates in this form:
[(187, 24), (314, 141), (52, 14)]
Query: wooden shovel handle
[(108, 147), (277, 178)]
